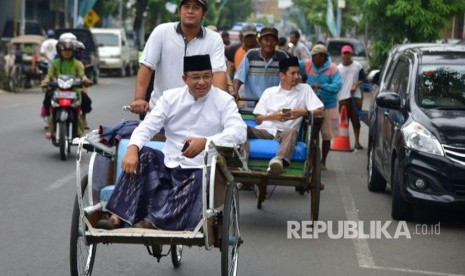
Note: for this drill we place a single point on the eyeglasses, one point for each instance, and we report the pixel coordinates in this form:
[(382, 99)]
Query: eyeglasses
[(197, 78)]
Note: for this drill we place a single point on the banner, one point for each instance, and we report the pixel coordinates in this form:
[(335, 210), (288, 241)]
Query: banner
[(85, 6), (330, 22)]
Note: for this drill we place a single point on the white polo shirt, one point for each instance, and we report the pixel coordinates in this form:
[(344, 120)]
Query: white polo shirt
[(275, 99), (213, 116), (165, 51)]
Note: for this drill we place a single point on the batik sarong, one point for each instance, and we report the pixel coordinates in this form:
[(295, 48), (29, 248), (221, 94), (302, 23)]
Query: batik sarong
[(170, 198)]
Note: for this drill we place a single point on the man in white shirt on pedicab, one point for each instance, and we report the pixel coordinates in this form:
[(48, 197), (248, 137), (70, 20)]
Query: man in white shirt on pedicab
[(162, 189), (280, 111)]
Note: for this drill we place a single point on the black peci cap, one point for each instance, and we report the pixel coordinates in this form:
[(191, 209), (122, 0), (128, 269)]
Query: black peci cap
[(288, 62), (197, 63)]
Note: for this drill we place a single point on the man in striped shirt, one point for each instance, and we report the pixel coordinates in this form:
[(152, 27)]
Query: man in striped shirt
[(260, 67)]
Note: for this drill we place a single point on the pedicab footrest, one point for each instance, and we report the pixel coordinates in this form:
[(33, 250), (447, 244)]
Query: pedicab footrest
[(142, 236)]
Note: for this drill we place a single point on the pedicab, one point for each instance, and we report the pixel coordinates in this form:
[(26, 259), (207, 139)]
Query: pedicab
[(218, 226), (22, 65), (304, 172)]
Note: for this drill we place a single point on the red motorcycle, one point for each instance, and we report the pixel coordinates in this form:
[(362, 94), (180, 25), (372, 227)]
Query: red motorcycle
[(65, 108)]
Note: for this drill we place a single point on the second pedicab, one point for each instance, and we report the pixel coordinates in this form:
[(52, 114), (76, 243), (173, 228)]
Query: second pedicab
[(304, 172)]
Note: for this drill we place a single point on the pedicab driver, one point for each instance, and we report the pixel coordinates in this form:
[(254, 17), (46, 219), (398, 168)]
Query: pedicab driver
[(280, 111), (162, 189), (168, 44)]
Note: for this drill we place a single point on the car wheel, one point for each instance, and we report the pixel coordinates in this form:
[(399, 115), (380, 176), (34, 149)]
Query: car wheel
[(122, 72), (401, 209), (376, 182)]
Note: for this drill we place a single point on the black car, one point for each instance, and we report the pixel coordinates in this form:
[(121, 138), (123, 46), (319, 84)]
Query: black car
[(417, 127), (90, 55)]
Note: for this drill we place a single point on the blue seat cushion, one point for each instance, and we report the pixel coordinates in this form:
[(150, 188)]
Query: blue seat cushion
[(122, 147), (266, 149), (251, 123), (106, 192)]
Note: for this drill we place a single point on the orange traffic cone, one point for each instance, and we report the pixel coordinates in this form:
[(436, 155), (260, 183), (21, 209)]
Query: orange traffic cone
[(342, 142)]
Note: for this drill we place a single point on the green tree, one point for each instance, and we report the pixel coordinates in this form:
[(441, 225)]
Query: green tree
[(316, 14), (392, 22), (224, 13)]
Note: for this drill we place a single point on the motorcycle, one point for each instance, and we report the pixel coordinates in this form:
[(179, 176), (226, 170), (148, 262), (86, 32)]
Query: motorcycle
[(65, 108)]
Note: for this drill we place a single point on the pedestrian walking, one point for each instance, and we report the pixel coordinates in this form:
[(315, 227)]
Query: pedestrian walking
[(325, 79)]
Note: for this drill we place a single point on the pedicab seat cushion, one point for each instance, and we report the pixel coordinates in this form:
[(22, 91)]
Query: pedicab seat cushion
[(266, 149), (106, 192)]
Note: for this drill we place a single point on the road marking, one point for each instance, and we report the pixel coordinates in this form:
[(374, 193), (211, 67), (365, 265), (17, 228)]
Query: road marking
[(69, 178), (362, 249), (421, 272), (61, 182)]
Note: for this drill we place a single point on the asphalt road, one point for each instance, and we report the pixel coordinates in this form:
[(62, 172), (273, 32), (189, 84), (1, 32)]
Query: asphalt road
[(37, 193)]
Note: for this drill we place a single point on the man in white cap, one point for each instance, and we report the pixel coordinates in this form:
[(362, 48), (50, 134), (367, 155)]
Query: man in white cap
[(168, 44)]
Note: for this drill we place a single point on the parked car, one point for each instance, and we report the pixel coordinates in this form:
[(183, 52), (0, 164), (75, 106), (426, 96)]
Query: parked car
[(360, 53), (416, 136), (115, 52), (90, 55)]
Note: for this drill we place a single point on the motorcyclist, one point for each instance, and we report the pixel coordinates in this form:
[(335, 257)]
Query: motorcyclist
[(86, 101), (66, 64)]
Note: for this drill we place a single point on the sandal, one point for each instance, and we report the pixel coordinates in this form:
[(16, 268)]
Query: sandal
[(107, 224)]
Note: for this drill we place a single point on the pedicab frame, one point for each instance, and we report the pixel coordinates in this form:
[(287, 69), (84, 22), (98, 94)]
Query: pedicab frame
[(219, 218), (304, 176), (18, 74)]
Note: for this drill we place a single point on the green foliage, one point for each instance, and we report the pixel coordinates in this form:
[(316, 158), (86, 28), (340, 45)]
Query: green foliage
[(223, 14), (392, 22)]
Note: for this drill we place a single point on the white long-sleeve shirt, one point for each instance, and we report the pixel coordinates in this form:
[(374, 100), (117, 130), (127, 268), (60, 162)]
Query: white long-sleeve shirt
[(276, 98), (214, 116)]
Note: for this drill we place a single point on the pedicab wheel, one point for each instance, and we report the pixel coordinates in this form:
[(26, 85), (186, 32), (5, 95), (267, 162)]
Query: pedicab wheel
[(12, 84), (315, 184), (82, 254), (231, 237), (63, 142), (176, 255)]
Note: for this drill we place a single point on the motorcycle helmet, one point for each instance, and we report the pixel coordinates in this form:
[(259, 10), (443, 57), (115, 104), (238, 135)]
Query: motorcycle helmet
[(65, 44), (67, 36)]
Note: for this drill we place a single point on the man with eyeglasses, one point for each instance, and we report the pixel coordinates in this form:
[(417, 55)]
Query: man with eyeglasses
[(173, 177), (168, 44)]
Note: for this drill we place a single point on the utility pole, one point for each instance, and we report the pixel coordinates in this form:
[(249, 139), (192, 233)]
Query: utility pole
[(75, 13), (120, 13)]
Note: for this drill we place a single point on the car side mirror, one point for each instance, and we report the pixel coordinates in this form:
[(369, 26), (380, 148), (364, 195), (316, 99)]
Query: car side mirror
[(373, 76), (389, 100)]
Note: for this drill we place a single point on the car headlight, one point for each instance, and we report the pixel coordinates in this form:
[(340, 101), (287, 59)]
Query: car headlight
[(417, 137)]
